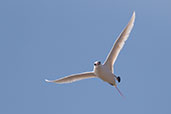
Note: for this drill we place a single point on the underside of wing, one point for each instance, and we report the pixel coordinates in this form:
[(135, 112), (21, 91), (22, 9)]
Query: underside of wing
[(119, 43), (73, 78)]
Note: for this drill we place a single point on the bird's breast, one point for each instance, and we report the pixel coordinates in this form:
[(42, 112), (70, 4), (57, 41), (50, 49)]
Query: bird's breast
[(104, 73)]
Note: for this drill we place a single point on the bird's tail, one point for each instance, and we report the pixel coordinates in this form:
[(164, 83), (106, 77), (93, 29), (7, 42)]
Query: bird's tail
[(119, 91)]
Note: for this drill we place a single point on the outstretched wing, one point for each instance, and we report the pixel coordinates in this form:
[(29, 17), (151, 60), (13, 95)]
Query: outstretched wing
[(73, 78), (119, 43)]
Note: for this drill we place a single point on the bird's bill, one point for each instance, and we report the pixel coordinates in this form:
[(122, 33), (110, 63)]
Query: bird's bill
[(119, 91)]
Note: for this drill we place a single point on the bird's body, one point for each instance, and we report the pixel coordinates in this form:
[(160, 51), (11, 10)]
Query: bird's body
[(105, 74), (103, 71)]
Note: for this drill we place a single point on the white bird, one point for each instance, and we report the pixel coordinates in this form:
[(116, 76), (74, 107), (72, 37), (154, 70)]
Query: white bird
[(103, 71)]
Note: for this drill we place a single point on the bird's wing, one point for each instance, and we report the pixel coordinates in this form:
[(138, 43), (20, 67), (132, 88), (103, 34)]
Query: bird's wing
[(119, 43), (73, 78)]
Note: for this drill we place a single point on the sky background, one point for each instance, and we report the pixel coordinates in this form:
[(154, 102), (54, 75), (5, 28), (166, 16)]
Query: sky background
[(49, 39)]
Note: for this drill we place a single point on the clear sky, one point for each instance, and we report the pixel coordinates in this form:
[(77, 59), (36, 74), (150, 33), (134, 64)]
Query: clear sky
[(42, 39)]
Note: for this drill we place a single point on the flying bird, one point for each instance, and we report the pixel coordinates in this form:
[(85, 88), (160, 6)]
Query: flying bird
[(103, 71)]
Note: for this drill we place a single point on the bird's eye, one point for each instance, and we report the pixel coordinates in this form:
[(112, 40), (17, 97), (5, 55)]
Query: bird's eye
[(94, 64)]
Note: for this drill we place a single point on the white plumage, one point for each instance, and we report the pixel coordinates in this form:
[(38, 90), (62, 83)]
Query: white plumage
[(73, 78), (103, 71), (119, 43)]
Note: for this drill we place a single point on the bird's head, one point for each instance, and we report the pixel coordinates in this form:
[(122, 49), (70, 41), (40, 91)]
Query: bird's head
[(97, 63)]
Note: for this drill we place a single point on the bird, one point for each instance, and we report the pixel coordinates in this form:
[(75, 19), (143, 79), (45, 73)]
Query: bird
[(103, 71)]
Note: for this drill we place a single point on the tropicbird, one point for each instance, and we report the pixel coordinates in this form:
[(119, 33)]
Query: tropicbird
[(103, 71)]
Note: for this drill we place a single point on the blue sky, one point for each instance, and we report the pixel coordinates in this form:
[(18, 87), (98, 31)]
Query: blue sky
[(52, 38)]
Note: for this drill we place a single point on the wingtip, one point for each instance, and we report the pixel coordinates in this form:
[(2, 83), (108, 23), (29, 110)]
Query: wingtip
[(133, 15), (46, 80), (134, 12)]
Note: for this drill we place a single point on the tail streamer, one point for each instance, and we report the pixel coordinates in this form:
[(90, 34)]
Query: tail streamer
[(119, 91)]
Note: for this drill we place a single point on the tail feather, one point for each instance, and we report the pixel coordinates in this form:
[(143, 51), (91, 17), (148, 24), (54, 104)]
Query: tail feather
[(119, 91)]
